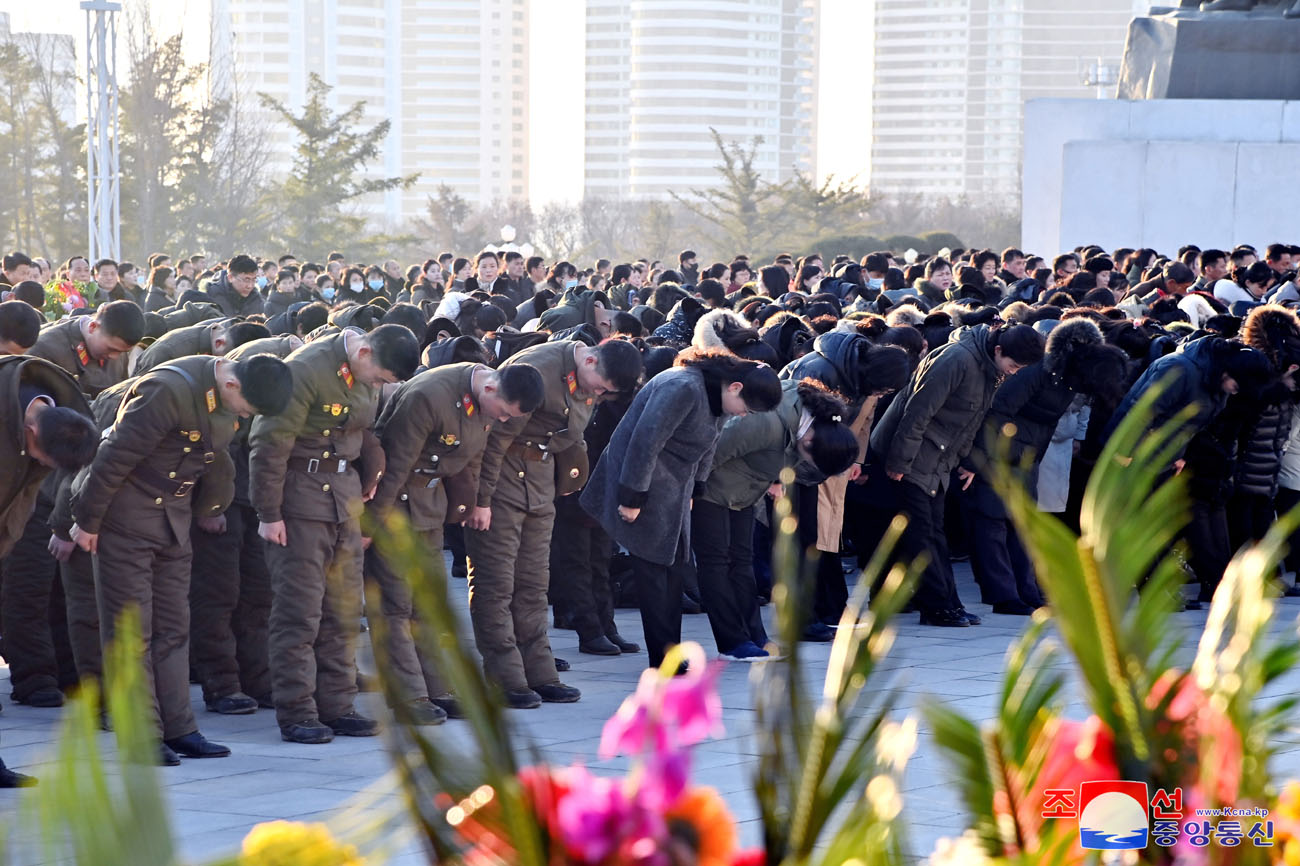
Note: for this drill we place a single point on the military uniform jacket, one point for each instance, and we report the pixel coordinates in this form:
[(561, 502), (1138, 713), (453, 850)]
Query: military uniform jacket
[(167, 433), (301, 463), (181, 343), (22, 475), (280, 347), (431, 429), (518, 464), (63, 343)]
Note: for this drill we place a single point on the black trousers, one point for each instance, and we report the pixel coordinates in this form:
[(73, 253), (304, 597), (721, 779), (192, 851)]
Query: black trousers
[(1249, 517), (1208, 544), (722, 539), (937, 589), (580, 553), (659, 588), (33, 613), (830, 592), (1285, 501), (1002, 567)]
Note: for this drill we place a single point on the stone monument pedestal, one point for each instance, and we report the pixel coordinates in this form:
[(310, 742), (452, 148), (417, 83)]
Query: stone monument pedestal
[(1186, 54)]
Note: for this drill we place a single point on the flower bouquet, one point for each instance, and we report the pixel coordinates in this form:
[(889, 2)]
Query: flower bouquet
[(64, 296)]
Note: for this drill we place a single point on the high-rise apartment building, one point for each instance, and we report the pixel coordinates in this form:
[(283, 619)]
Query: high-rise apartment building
[(450, 75), (56, 52), (951, 79), (661, 73)]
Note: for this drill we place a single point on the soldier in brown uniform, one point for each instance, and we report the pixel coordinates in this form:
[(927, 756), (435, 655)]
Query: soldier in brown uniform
[(133, 512), (509, 551), (308, 495), (230, 586), (434, 428), (93, 350), (45, 424), (206, 338)]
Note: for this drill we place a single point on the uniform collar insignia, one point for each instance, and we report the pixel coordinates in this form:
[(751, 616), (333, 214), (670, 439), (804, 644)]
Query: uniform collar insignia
[(82, 354), (468, 400), (211, 396), (572, 380), (345, 373)]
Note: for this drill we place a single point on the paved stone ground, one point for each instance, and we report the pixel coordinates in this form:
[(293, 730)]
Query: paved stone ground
[(214, 803)]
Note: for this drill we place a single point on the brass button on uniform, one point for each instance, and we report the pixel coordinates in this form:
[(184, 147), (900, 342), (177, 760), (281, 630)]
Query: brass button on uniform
[(325, 454), (186, 449), (171, 474), (325, 487), (404, 497), (158, 501), (521, 474), (325, 432)]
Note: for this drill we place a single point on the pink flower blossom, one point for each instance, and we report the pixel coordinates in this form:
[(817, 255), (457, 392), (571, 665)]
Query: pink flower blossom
[(667, 712), (597, 818)]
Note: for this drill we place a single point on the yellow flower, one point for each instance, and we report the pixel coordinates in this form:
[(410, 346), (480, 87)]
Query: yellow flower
[(711, 831), (285, 843)]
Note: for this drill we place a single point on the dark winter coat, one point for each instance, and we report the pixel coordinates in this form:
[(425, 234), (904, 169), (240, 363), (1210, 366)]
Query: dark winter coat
[(1190, 377), (930, 426), (752, 451), (834, 361), (574, 308), (660, 451), (1260, 444), (230, 302), (680, 327)]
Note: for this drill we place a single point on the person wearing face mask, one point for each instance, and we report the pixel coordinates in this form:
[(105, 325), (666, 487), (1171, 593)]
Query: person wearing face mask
[(657, 460), (874, 267), (353, 288), (325, 290), (377, 282)]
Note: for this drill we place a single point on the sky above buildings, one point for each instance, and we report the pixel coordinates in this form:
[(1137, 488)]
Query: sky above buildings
[(556, 80)]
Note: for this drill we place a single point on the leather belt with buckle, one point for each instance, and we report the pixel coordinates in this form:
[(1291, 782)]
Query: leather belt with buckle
[(318, 465)]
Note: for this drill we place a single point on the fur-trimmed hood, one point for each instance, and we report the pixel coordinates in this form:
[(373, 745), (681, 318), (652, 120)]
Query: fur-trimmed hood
[(1275, 331), (1066, 339), (905, 314), (721, 329)]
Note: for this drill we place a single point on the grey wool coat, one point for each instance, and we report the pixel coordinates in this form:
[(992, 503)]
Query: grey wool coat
[(659, 452)]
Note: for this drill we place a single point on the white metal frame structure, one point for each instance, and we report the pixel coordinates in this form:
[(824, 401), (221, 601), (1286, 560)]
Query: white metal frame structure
[(103, 168)]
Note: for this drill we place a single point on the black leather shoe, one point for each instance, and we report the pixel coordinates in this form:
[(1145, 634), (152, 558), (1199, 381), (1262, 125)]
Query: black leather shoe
[(690, 605), (309, 731), (599, 646), (425, 712), (238, 704), (353, 725), (449, 705), (166, 757), (1015, 607), (945, 618), (971, 618), (196, 745), (523, 699), (624, 645), (558, 693), (10, 779), (817, 632), (46, 697), (561, 665)]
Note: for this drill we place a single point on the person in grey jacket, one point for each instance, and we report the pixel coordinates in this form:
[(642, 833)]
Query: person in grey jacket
[(659, 455), (809, 431), (928, 430)]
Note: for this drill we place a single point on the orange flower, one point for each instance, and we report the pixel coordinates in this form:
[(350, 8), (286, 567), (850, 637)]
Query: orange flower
[(701, 820)]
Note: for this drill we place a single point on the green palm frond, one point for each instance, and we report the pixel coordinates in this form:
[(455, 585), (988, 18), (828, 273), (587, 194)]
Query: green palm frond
[(86, 812), (432, 775), (815, 763)]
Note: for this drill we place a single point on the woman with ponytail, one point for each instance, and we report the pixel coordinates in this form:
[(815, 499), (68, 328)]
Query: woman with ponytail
[(659, 455), (807, 431)]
